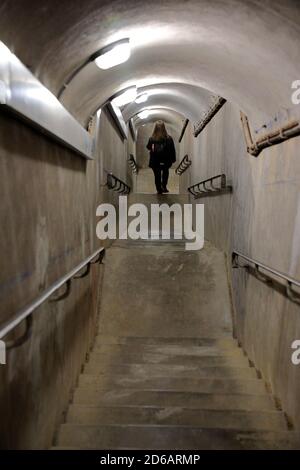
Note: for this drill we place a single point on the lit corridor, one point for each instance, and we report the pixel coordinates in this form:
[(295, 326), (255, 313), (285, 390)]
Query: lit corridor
[(140, 313)]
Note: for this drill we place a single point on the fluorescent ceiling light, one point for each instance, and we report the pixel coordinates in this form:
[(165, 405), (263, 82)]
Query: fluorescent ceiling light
[(142, 98), (127, 97), (144, 114), (115, 55)]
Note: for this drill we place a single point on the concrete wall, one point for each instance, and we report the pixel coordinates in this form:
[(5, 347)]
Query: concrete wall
[(48, 217), (262, 220)]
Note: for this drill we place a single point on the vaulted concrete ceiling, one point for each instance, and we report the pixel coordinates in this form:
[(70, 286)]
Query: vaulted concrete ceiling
[(170, 117), (244, 50), (186, 99)]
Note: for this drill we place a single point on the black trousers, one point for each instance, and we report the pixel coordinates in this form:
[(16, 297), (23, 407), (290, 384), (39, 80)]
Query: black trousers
[(161, 175)]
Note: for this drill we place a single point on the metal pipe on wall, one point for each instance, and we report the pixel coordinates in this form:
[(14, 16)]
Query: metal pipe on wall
[(276, 136)]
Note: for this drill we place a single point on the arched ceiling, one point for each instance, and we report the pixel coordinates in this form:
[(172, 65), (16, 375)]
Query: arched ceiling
[(186, 99), (170, 117), (244, 50)]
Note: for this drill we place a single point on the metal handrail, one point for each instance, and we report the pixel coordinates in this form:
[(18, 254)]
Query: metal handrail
[(208, 115), (201, 190), (290, 293), (183, 130), (26, 312), (117, 185), (183, 165), (132, 163)]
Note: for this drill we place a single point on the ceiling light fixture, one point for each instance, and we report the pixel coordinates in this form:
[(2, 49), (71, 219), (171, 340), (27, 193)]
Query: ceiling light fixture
[(114, 54), (142, 98), (144, 114), (105, 58), (126, 97)]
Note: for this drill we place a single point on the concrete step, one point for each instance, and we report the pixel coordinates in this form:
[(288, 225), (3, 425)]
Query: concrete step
[(167, 341), (170, 244), (167, 349), (165, 437), (170, 370), (283, 441), (207, 385), (213, 401), (152, 198), (217, 419), (150, 358)]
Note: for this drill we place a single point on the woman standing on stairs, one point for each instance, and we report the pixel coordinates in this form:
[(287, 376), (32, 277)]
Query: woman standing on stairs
[(162, 156)]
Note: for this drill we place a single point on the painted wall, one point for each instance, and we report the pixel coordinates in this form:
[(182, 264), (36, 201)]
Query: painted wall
[(262, 220), (48, 218)]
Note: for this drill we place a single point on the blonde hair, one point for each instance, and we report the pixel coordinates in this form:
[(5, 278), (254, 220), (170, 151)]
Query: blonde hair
[(159, 131)]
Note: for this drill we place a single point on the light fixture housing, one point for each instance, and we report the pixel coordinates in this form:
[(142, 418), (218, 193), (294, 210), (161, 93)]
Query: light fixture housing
[(126, 97), (105, 58), (144, 114), (113, 55), (142, 98)]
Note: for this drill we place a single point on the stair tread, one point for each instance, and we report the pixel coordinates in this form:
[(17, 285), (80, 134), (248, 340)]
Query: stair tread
[(183, 370), (170, 437), (104, 382), (168, 349), (233, 419), (154, 358), (174, 366), (83, 395), (223, 341)]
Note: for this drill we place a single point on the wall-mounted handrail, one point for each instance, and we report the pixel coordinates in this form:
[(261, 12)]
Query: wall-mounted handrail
[(280, 134), (25, 313), (255, 267), (212, 111), (202, 190), (117, 185), (183, 165), (185, 124), (132, 163)]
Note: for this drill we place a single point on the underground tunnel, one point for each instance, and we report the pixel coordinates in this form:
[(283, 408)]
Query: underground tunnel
[(140, 341)]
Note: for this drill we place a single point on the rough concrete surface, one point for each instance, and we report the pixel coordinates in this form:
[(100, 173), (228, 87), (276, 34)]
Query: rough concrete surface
[(184, 55), (259, 219), (164, 361)]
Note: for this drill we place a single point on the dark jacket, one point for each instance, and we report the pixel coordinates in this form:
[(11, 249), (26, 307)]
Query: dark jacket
[(166, 157)]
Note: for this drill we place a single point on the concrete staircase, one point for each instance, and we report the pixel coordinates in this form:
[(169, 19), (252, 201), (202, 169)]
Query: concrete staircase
[(165, 372), (188, 393)]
